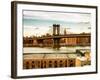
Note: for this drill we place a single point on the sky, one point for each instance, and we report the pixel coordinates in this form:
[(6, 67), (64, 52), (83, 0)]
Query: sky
[(38, 23)]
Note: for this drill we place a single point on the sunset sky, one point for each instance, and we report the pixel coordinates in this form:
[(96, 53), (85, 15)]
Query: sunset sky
[(40, 22)]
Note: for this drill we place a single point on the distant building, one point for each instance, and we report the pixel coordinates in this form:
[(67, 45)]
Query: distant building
[(72, 40), (65, 31)]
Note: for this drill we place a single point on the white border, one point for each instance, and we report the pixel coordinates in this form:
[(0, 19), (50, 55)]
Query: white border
[(21, 72)]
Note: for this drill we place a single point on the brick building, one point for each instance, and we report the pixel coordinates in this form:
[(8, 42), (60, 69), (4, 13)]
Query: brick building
[(31, 61)]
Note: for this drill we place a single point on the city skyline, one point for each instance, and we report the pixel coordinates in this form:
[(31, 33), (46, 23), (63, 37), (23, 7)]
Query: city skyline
[(38, 23)]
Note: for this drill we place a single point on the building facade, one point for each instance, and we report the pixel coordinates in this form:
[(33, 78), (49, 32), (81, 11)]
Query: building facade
[(31, 61)]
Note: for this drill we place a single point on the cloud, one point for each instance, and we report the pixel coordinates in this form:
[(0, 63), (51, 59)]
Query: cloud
[(35, 30), (58, 16), (39, 22)]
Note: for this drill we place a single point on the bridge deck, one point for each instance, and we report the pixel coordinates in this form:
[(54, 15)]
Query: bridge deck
[(65, 36)]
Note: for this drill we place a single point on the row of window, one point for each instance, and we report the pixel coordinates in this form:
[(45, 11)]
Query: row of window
[(29, 64)]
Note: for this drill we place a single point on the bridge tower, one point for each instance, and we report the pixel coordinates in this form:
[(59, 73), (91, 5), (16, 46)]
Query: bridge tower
[(56, 29), (56, 32)]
